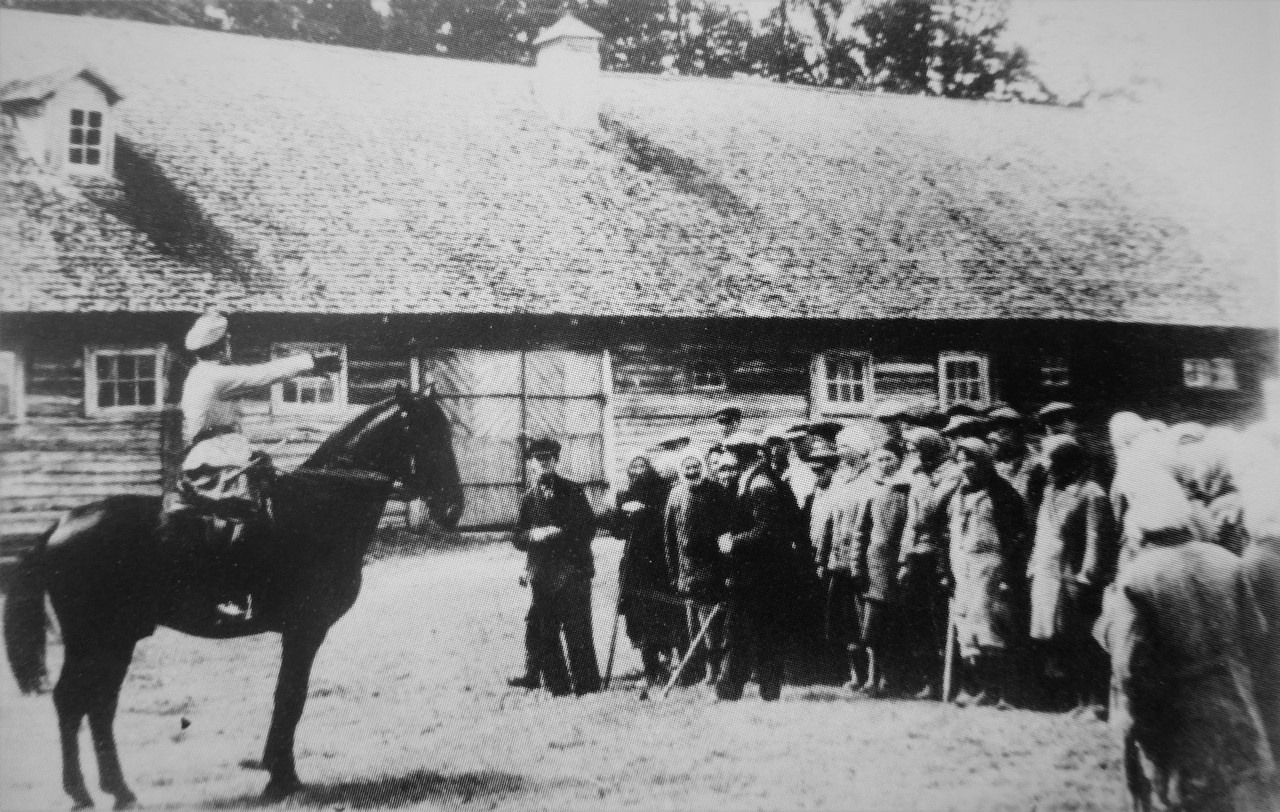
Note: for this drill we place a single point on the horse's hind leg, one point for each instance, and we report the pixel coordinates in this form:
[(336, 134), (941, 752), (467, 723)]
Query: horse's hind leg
[(70, 699), (111, 668)]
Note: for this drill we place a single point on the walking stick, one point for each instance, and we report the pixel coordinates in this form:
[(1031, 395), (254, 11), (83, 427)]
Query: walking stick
[(617, 608), (948, 658), (693, 648)]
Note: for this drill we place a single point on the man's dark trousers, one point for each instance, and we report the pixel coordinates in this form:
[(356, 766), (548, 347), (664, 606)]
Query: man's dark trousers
[(755, 634), (566, 607)]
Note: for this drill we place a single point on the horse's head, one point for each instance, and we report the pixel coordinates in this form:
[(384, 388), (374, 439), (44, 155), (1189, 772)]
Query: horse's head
[(428, 469)]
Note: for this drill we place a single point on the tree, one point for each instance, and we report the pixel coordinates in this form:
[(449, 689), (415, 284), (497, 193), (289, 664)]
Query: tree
[(941, 47)]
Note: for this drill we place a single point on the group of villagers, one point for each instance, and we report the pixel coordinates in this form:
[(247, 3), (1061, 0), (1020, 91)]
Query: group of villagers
[(1014, 561)]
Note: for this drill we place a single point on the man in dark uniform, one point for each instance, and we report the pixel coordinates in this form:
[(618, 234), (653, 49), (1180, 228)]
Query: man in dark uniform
[(555, 527), (759, 550)]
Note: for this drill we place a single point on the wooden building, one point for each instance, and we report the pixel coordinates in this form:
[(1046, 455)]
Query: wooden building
[(599, 257)]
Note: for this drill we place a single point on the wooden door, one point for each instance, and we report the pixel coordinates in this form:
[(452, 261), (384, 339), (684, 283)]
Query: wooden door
[(499, 400)]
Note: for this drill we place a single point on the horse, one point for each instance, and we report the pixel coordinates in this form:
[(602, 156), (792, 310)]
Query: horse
[(111, 581)]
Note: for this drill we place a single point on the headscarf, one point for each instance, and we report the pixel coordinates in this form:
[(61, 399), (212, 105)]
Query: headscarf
[(1202, 470), (1123, 429), (855, 439), (648, 487)]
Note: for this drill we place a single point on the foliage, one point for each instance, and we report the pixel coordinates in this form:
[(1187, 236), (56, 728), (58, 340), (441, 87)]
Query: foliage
[(936, 47)]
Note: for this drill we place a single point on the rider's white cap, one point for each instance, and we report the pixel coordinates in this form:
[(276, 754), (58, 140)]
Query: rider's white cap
[(208, 330)]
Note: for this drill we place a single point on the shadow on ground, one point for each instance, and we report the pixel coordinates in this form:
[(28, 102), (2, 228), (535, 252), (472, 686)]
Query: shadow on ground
[(393, 792)]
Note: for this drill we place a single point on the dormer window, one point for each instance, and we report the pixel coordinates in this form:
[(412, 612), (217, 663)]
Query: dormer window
[(65, 120), (86, 138)]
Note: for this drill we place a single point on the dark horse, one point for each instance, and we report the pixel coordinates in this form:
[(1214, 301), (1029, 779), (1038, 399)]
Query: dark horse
[(111, 581)]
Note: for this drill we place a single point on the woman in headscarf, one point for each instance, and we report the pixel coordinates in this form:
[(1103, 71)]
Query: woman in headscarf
[(988, 528), (654, 615), (1070, 564), (697, 513)]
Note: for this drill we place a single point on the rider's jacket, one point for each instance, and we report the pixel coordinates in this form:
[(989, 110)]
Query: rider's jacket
[(211, 394)]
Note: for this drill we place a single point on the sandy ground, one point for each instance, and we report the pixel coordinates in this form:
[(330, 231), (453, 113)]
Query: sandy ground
[(409, 708)]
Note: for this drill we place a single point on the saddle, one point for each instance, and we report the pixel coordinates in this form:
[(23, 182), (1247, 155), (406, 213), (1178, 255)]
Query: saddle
[(213, 527)]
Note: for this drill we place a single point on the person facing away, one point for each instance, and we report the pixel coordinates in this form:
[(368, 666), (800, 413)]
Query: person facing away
[(1189, 720), (555, 528), (759, 553), (219, 461)]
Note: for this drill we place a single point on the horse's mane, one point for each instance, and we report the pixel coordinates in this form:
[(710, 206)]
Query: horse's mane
[(338, 446)]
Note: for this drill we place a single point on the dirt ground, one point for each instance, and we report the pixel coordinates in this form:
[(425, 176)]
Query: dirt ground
[(409, 709)]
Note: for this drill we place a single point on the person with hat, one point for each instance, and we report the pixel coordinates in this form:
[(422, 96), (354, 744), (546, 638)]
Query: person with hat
[(1059, 418), (555, 528), (1071, 562), (1014, 459), (219, 465), (961, 426), (781, 449), (922, 556), (893, 415), (850, 496), (988, 530), (759, 552), (878, 537)]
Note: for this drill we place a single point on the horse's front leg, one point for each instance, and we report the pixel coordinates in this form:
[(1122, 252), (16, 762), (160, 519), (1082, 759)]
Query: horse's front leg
[(299, 652)]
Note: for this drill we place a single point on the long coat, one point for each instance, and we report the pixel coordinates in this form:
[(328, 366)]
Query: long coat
[(879, 536), (695, 517), (849, 496), (1073, 534), (1261, 567), (654, 618), (988, 527), (760, 523), (1187, 696)]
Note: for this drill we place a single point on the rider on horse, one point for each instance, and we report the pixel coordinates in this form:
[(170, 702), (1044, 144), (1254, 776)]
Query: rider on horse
[(218, 476)]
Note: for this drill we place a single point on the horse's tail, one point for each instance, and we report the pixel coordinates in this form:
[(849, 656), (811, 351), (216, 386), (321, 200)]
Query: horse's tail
[(24, 620)]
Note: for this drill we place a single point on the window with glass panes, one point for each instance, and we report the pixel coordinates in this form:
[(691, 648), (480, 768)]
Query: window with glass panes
[(310, 390), (707, 375), (126, 379), (964, 379), (1209, 373), (846, 379), (85, 146)]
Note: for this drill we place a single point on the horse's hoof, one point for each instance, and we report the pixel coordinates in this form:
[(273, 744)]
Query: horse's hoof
[(82, 803), (252, 764), (129, 801), (278, 790)]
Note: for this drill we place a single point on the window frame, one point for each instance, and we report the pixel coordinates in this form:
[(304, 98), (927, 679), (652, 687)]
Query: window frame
[(17, 388), (827, 406), (1213, 368), (984, 367), (713, 367), (282, 349), (1055, 363), (92, 408)]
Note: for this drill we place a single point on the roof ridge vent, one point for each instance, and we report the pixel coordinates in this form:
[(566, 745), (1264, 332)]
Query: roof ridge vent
[(568, 67)]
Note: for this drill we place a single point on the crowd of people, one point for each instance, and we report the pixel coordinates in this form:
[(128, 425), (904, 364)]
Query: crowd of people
[(1009, 557)]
